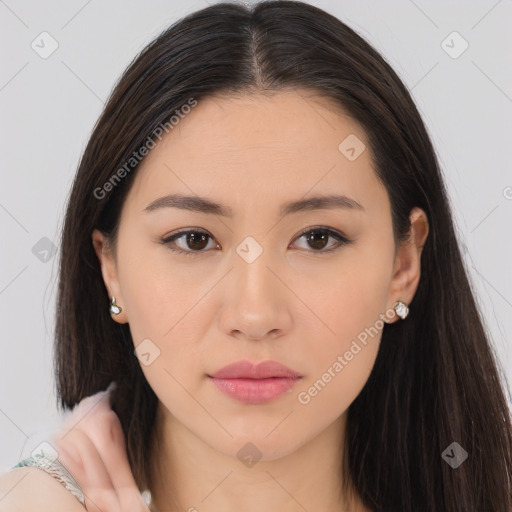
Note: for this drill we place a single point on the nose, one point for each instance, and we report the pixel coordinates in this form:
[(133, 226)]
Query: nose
[(256, 301)]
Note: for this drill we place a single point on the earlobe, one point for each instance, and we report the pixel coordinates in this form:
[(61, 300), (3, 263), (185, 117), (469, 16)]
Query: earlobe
[(407, 265), (108, 267)]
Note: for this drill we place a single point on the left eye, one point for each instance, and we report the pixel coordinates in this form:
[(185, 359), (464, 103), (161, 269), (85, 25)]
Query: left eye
[(196, 241), (317, 238)]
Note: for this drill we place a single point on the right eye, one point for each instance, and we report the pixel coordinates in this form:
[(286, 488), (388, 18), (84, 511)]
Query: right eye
[(193, 241)]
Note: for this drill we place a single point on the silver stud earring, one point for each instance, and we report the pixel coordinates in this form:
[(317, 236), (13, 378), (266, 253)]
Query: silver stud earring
[(401, 309), (114, 308)]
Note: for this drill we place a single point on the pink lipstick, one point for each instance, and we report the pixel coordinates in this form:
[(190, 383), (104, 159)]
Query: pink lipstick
[(255, 384)]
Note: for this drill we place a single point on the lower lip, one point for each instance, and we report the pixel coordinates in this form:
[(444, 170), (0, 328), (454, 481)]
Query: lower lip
[(254, 391)]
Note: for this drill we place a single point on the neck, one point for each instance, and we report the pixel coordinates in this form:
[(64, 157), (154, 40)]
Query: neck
[(190, 475)]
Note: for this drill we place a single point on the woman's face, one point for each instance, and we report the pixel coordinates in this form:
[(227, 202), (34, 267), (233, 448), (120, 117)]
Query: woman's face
[(263, 283)]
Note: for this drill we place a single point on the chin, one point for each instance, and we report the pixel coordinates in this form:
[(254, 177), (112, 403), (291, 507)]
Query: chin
[(251, 448)]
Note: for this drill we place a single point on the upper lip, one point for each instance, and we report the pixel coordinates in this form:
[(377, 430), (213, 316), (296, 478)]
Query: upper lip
[(248, 370)]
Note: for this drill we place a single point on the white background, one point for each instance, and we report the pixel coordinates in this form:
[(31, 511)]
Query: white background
[(49, 106)]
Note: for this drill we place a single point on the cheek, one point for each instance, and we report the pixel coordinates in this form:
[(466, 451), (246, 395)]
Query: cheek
[(159, 299), (157, 292), (341, 363), (351, 305), (349, 295)]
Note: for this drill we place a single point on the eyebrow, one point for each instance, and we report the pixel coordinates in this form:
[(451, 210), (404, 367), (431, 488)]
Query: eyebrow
[(204, 205)]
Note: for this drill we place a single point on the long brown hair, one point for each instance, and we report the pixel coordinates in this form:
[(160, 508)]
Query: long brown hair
[(436, 379)]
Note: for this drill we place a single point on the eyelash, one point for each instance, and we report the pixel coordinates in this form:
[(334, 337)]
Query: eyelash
[(341, 240)]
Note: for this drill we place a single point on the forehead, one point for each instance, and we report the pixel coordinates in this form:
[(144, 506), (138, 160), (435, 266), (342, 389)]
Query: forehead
[(292, 121), (258, 147)]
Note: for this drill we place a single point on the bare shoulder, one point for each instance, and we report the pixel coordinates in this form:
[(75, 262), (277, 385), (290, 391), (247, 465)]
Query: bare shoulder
[(30, 489)]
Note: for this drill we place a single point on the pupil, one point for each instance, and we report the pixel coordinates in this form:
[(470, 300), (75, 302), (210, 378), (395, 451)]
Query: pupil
[(317, 237), (192, 241)]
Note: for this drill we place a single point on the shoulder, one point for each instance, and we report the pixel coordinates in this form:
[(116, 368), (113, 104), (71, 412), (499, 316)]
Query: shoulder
[(31, 489)]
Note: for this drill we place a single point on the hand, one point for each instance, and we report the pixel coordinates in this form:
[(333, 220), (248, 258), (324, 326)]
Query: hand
[(91, 446)]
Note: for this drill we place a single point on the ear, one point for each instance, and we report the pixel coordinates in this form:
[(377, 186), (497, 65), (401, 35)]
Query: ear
[(407, 267), (108, 265)]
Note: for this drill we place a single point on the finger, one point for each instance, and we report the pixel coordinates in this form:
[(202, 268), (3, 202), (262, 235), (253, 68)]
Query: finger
[(79, 417), (107, 435), (88, 469), (75, 443), (94, 417), (116, 461), (85, 417), (100, 494)]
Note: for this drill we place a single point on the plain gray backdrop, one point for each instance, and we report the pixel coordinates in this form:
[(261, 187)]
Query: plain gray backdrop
[(451, 55)]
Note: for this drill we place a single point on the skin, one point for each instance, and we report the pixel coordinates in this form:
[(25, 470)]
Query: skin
[(294, 304)]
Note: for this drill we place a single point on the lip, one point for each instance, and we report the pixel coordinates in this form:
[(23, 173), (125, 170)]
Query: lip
[(255, 383)]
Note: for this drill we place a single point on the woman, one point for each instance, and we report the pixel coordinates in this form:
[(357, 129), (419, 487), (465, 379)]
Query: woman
[(259, 251)]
